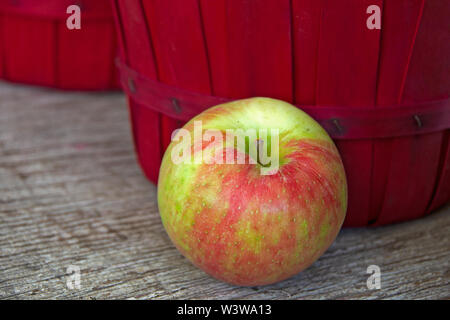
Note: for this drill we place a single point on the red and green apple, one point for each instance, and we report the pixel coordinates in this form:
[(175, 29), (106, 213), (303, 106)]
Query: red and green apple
[(252, 191)]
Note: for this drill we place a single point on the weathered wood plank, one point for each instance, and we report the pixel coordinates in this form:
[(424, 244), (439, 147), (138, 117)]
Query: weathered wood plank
[(71, 193)]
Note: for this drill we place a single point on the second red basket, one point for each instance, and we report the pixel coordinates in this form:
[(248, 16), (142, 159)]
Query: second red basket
[(36, 47)]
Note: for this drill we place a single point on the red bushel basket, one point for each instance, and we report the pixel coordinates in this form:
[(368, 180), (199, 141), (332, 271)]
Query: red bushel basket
[(382, 94), (36, 47)]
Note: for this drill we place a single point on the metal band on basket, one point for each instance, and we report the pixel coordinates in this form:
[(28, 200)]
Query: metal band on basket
[(339, 121)]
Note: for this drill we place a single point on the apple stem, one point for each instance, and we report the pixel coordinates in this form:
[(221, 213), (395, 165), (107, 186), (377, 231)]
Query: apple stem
[(259, 146)]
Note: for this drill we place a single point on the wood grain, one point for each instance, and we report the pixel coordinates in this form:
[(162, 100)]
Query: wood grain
[(71, 193)]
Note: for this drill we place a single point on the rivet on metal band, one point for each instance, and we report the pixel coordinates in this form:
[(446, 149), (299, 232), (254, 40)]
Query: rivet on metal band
[(418, 121), (337, 124), (176, 105), (131, 85)]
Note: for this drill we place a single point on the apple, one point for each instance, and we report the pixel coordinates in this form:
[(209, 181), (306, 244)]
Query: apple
[(252, 191)]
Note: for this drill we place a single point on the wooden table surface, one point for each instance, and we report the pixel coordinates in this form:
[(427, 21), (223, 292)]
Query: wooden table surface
[(72, 194)]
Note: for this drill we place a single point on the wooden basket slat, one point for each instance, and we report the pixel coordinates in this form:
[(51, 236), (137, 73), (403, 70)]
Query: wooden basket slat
[(399, 21), (346, 47), (139, 54), (428, 73), (413, 174), (442, 190), (398, 34), (306, 17), (88, 51), (246, 61), (214, 19), (177, 34), (27, 41), (40, 50)]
